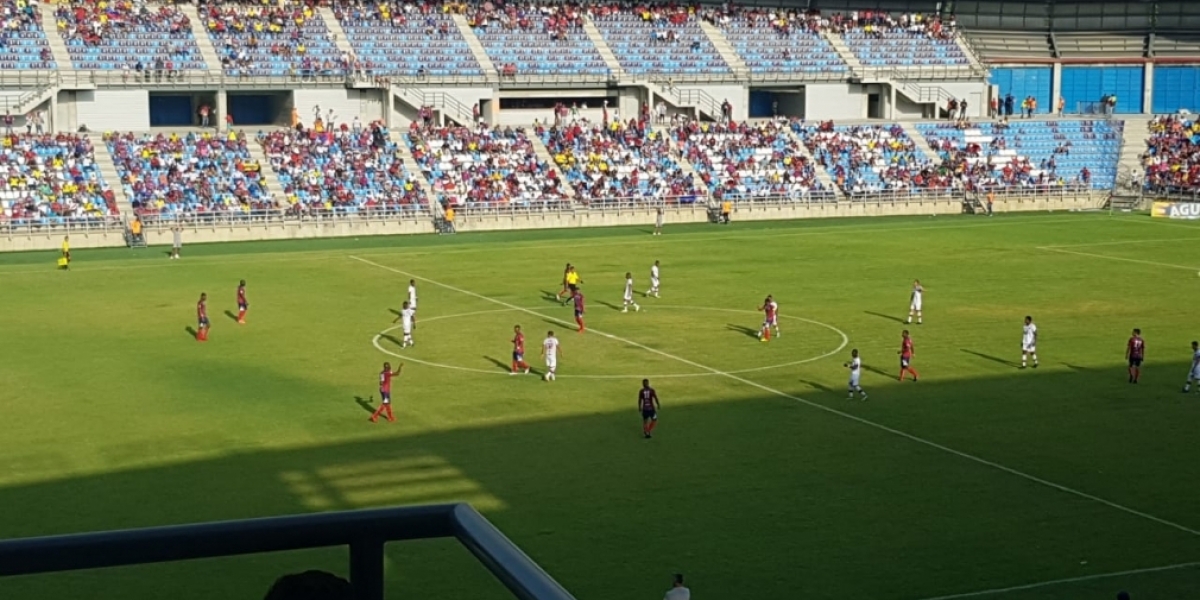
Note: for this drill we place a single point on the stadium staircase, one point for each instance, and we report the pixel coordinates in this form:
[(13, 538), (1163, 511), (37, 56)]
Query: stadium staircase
[(822, 175), (108, 171), (445, 105), (1133, 145), (696, 100), (844, 52), (543, 154), (410, 163), (921, 143), (340, 39), (610, 59), (964, 44), (481, 56), (34, 97), (271, 183), (725, 49), (58, 46), (208, 52)]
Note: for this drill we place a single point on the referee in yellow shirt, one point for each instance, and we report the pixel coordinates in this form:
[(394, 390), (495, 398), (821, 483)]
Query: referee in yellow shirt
[(65, 261), (573, 283)]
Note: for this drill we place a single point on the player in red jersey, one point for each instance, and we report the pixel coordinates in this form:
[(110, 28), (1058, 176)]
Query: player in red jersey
[(518, 355), (385, 392), (1135, 353), (579, 310), (202, 318), (648, 403), (906, 354), (243, 305), (770, 310)]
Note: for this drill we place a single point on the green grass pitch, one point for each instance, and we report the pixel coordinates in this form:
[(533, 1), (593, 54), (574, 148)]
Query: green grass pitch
[(762, 480)]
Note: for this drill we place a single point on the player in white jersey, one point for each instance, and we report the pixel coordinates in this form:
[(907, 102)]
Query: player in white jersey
[(1029, 342), (1194, 374), (855, 366), (408, 322), (653, 291), (914, 306), (412, 294), (550, 352), (629, 295), (678, 591)]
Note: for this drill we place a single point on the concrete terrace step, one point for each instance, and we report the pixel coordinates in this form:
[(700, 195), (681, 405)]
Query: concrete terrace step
[(335, 29), (686, 165), (718, 39), (823, 176), (610, 59), (543, 154), (58, 46), (108, 171), (410, 163), (476, 46), (843, 51), (1133, 144), (207, 51), (271, 183), (921, 143)]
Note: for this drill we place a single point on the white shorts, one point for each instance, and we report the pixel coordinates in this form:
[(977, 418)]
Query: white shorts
[(1195, 374), (1029, 348), (628, 298), (854, 380), (551, 362), (412, 304), (916, 305), (408, 330), (653, 282)]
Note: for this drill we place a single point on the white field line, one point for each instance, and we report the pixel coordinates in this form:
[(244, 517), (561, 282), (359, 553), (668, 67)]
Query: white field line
[(1117, 258), (1119, 243), (810, 404), (1052, 582)]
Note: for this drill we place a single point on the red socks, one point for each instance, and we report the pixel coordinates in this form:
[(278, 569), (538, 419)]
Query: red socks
[(908, 370), (241, 317), (383, 409), (202, 335), (579, 320), (651, 426)]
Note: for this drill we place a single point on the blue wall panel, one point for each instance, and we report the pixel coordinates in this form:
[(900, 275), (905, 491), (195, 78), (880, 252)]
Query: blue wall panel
[(170, 110), (1022, 82), (250, 109), (1088, 84), (1176, 87)]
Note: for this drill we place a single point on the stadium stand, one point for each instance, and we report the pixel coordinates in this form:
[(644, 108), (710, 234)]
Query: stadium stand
[(658, 39), (124, 35), (1029, 153), (775, 41), (741, 161), (49, 178), (23, 43), (880, 39), (1172, 158), (407, 38), (539, 38), (197, 174), (345, 170), (484, 167), (867, 159), (620, 162), (258, 39)]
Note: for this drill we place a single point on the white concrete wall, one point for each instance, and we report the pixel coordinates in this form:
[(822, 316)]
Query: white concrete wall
[(975, 93), (906, 109), (824, 101), (109, 110), (738, 96), (346, 104)]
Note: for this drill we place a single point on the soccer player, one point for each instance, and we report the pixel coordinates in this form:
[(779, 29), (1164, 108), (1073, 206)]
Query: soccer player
[(408, 322), (1194, 374), (914, 305), (1135, 352), (518, 353), (578, 298), (563, 291), (385, 392), (678, 591), (1029, 342), (648, 403), (573, 283), (412, 294), (66, 252), (653, 291), (855, 366), (770, 310), (629, 295), (202, 318), (658, 221), (550, 350), (243, 305), (906, 354)]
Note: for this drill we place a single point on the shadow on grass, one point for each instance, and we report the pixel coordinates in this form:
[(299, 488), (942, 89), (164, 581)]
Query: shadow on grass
[(232, 317), (549, 296), (365, 403), (608, 304), (499, 363), (742, 329), (883, 316), (995, 359), (191, 331)]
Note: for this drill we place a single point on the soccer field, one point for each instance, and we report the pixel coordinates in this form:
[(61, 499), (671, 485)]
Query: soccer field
[(762, 480)]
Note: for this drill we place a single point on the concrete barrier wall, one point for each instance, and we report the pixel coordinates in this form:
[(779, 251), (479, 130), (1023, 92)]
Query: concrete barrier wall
[(196, 234)]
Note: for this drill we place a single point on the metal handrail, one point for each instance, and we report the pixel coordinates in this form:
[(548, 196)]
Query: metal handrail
[(61, 225), (364, 531)]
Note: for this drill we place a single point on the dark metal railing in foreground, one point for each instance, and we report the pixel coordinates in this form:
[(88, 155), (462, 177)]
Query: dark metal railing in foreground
[(364, 531)]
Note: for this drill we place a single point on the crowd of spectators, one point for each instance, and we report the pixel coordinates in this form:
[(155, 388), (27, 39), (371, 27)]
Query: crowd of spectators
[(615, 160), (51, 177), (193, 174), (556, 20), (256, 39), (743, 160), (975, 166), (867, 159), (483, 167), (345, 168), (1172, 158), (123, 30), (17, 20)]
